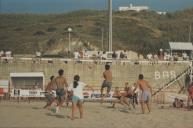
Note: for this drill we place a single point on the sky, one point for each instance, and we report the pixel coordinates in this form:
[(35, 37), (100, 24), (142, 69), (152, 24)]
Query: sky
[(60, 6)]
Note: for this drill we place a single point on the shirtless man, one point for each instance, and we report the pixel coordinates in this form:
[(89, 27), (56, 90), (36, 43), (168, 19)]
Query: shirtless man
[(61, 85), (146, 91), (107, 83)]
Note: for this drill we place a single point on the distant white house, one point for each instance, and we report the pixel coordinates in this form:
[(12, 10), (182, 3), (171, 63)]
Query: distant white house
[(133, 8), (161, 13)]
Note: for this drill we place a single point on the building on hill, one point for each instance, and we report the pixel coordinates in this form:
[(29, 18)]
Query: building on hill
[(161, 13), (133, 8)]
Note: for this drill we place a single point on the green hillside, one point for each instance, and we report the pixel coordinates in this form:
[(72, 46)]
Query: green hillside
[(142, 32)]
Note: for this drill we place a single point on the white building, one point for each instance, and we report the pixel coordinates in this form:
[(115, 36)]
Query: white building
[(161, 13), (133, 8)]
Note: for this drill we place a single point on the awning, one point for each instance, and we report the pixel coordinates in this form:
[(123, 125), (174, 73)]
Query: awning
[(181, 46), (27, 74)]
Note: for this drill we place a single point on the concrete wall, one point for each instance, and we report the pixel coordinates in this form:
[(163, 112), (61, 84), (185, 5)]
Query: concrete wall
[(91, 72)]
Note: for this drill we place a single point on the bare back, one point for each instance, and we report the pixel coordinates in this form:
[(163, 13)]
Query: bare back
[(107, 75), (60, 82), (144, 85)]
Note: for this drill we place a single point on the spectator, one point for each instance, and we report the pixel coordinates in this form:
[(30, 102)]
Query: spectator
[(184, 56), (103, 56), (125, 54), (38, 54), (76, 55), (121, 55), (99, 55), (80, 54), (85, 54), (1, 53), (155, 56), (8, 53), (114, 55), (149, 56)]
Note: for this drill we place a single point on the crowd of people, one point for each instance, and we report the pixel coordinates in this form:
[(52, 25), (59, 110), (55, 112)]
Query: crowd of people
[(5, 53), (167, 56), (123, 54), (83, 54)]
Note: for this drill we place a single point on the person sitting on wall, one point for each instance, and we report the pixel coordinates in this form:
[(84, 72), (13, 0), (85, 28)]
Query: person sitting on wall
[(114, 55), (121, 55), (103, 56)]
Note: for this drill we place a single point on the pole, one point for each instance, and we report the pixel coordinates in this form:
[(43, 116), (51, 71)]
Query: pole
[(102, 40), (69, 42), (69, 32), (110, 25), (191, 71), (189, 39)]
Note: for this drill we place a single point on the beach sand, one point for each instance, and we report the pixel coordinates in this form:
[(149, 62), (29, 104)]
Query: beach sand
[(25, 115)]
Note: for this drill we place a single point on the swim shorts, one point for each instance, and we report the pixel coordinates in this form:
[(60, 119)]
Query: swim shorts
[(107, 84), (60, 94), (145, 96)]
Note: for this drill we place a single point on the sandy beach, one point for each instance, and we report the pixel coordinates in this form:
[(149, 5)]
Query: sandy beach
[(25, 115)]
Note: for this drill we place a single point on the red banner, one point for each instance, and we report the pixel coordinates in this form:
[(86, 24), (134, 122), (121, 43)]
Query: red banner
[(1, 91)]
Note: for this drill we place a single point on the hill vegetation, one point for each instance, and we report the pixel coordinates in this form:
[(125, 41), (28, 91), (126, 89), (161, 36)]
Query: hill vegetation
[(143, 32)]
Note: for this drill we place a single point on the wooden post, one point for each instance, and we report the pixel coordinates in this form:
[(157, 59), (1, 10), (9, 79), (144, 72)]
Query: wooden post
[(18, 99)]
